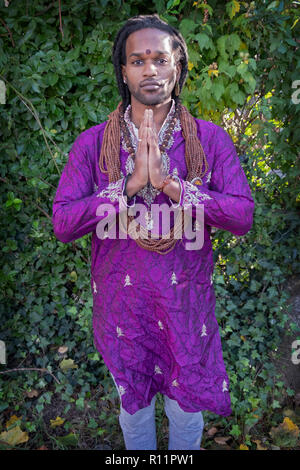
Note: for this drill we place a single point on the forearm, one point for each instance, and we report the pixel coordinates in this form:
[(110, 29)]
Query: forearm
[(232, 212), (72, 219)]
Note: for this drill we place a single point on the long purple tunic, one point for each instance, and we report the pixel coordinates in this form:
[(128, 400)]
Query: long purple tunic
[(154, 315)]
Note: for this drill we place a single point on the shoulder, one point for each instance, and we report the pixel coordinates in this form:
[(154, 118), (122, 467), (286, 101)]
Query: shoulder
[(214, 130), (90, 136), (215, 136)]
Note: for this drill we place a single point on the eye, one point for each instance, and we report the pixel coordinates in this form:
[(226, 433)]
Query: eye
[(137, 62), (162, 61)]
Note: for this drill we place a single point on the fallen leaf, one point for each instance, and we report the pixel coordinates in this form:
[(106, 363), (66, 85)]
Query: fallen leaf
[(244, 447), (215, 446), (259, 446), (66, 364), (12, 420), (212, 431), (14, 436), (70, 440), (222, 440), (63, 349), (58, 421), (285, 434), (291, 427), (32, 394)]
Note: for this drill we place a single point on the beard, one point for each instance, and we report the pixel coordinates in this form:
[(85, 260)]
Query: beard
[(152, 98)]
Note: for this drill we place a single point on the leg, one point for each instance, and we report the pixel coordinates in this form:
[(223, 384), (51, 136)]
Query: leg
[(139, 429), (185, 429)]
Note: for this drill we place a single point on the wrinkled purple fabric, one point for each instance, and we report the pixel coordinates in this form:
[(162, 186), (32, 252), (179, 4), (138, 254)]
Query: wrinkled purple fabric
[(154, 315)]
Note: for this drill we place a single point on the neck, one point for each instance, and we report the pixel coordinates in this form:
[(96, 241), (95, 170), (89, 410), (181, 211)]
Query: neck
[(160, 112)]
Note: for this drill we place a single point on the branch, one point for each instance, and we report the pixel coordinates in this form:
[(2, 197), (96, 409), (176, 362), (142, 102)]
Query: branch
[(9, 31)]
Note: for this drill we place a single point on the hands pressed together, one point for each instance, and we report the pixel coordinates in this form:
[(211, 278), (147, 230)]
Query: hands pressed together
[(148, 160)]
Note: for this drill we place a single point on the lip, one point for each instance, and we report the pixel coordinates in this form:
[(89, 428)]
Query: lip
[(151, 85)]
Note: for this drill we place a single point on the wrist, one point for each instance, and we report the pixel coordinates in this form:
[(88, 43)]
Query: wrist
[(166, 179), (133, 185)]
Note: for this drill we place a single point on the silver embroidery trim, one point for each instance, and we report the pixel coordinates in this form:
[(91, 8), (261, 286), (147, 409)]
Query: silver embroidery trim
[(192, 195), (113, 191)]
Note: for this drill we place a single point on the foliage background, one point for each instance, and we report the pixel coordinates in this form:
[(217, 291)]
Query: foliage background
[(55, 59)]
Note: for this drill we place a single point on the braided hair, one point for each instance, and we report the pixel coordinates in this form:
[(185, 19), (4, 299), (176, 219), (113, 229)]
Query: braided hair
[(109, 160), (119, 50)]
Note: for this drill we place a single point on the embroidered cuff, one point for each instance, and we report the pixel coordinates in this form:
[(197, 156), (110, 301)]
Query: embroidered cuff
[(192, 194), (115, 191)]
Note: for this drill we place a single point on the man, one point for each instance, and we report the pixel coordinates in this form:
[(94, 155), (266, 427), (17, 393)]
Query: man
[(153, 314)]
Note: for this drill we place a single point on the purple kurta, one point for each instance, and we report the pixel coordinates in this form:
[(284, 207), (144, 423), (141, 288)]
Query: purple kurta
[(153, 315)]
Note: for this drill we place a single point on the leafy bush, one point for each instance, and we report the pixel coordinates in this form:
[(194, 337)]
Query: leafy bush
[(243, 62)]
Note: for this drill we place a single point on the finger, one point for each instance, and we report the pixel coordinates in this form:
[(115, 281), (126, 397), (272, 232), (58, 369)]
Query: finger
[(152, 139), (142, 144), (142, 148), (150, 122), (148, 117), (142, 127)]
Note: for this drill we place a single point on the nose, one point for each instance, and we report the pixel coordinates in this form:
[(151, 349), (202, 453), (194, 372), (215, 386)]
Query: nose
[(150, 69)]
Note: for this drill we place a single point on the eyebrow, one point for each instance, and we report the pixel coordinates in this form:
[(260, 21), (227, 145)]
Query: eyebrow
[(139, 54)]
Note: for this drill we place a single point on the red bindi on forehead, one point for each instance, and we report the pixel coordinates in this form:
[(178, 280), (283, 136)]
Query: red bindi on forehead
[(148, 51)]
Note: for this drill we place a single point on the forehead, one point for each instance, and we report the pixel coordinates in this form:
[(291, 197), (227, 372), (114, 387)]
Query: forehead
[(148, 38)]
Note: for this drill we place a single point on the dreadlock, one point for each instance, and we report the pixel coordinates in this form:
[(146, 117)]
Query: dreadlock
[(110, 149)]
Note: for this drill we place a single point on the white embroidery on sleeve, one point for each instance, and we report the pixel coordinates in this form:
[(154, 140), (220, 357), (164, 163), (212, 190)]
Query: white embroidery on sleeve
[(113, 191), (192, 195)]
